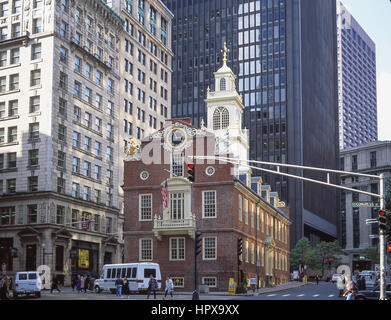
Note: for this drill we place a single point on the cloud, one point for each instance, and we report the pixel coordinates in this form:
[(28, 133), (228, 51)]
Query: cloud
[(384, 105)]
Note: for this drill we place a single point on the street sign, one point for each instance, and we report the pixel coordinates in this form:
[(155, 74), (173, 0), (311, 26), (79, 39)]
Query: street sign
[(371, 221), (365, 204)]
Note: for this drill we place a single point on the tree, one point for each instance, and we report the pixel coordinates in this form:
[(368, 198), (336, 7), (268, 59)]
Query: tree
[(325, 251), (303, 253), (372, 254)]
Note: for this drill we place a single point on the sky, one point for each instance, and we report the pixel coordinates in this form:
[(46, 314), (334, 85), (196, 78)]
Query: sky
[(374, 16)]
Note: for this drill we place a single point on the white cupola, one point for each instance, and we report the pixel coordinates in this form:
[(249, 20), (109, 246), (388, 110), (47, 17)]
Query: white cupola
[(224, 113)]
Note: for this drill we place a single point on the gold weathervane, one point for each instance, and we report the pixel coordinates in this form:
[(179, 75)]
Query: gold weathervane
[(133, 147), (226, 50)]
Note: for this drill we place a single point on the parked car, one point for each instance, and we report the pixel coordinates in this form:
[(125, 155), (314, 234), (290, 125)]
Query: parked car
[(27, 283), (337, 276), (373, 294), (370, 278)]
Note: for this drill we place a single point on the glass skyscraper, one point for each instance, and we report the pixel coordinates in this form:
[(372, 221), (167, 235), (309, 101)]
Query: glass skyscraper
[(284, 53)]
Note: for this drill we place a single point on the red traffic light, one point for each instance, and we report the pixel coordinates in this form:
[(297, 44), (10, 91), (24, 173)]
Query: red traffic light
[(389, 247), (190, 166), (382, 213), (330, 260)]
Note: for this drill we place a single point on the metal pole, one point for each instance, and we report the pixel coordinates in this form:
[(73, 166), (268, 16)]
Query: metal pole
[(382, 245)]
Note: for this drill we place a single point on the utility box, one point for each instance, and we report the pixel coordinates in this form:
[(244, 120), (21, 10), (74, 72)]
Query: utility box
[(203, 289)]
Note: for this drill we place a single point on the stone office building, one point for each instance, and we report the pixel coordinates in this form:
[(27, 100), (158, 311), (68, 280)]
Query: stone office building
[(373, 158), (223, 202), (59, 135)]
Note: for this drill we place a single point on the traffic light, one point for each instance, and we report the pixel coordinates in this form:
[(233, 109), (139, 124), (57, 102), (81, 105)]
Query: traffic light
[(240, 249), (382, 220), (191, 172), (330, 261), (389, 248), (197, 244)]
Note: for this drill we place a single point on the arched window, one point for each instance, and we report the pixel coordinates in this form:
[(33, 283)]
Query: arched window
[(223, 84), (220, 118)]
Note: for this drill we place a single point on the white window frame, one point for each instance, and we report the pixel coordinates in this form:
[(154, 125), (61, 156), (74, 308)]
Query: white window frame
[(247, 251), (204, 248), (210, 286), (252, 214), (174, 169), (240, 207), (141, 249), (246, 211), (140, 208), (178, 248), (215, 204), (180, 199), (180, 278)]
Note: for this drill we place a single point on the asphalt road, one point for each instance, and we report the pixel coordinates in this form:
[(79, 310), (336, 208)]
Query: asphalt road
[(323, 291)]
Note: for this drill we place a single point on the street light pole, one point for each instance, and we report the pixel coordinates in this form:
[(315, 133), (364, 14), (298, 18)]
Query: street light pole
[(382, 244)]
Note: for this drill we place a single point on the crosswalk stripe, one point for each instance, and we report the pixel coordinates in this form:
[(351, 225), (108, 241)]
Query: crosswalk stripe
[(301, 295), (316, 295), (331, 295), (286, 295), (271, 295)]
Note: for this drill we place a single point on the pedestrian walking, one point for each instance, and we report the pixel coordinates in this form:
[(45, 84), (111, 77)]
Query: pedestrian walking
[(169, 288), (87, 283), (340, 286), (351, 289), (78, 284), (152, 286), (54, 285), (125, 287), (82, 283), (118, 284), (3, 289), (317, 279), (73, 282)]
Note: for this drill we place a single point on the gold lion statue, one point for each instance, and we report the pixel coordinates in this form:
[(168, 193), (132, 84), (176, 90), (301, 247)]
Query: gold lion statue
[(133, 147)]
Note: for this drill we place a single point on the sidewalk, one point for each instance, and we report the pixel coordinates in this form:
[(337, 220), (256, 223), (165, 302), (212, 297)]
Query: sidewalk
[(282, 287)]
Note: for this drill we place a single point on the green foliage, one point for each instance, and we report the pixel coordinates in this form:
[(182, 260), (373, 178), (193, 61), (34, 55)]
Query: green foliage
[(302, 254), (317, 257), (325, 251)]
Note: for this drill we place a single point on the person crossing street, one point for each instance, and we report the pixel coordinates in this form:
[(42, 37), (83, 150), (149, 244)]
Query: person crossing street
[(152, 286), (169, 288)]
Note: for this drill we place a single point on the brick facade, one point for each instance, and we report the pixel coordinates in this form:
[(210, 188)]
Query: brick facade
[(225, 226)]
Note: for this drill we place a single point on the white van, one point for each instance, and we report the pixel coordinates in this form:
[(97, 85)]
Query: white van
[(137, 274), (28, 282), (370, 278)]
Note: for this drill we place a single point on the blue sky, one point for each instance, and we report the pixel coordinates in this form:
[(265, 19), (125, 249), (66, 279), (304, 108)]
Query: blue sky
[(375, 18)]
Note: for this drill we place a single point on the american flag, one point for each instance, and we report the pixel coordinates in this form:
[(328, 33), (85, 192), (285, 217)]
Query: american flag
[(85, 225), (165, 195)]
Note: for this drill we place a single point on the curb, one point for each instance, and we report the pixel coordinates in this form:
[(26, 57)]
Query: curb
[(243, 295)]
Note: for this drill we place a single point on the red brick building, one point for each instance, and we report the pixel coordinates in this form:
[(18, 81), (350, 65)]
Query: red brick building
[(223, 203)]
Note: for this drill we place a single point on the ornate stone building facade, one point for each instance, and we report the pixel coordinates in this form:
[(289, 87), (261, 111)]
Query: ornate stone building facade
[(60, 141)]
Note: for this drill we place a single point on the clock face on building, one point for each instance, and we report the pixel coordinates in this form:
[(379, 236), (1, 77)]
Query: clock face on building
[(176, 138)]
